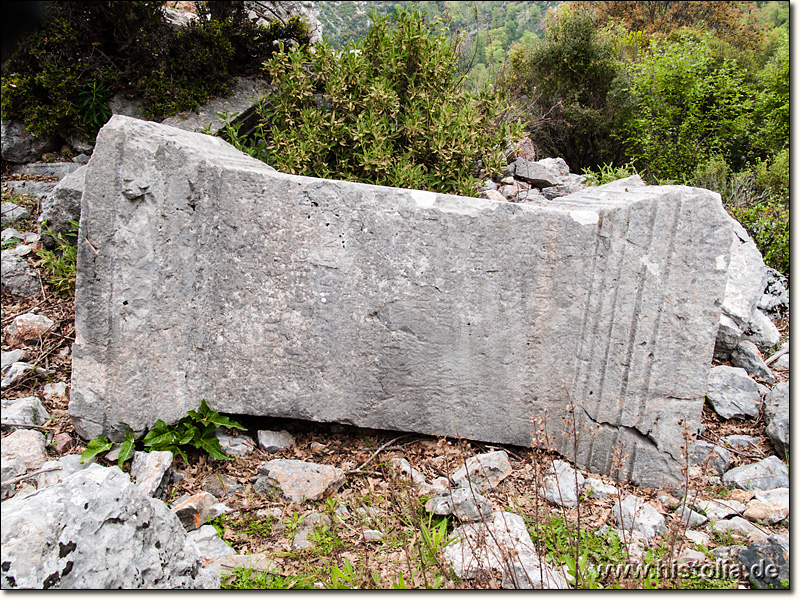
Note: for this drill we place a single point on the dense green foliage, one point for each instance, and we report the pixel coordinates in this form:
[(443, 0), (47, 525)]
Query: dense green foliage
[(387, 109), (197, 429), (673, 103), (60, 78), (486, 29), (565, 82)]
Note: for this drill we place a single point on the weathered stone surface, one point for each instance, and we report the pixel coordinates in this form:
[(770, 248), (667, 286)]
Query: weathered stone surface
[(732, 394), (198, 508), (36, 189), (55, 392), (67, 465), (765, 512), (61, 206), (10, 357), (767, 563), (690, 517), (738, 442), (775, 300), (96, 530), (24, 411), (747, 356), (26, 445), (762, 331), (483, 471), (396, 309), (728, 336), (766, 474), (501, 544), (59, 170), (562, 484), (776, 411), (634, 514), (297, 480), (272, 441), (717, 510), (11, 213), (27, 327), (18, 277), (404, 468), (778, 496), (210, 546), (20, 145), (151, 472), (717, 457), (465, 503), (596, 488), (747, 277), (235, 445), (740, 527), (534, 173)]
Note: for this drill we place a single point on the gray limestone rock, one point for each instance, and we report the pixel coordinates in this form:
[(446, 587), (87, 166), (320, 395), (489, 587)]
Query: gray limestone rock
[(61, 206), (765, 512), (557, 166), (740, 527), (779, 496), (19, 278), (395, 309), (235, 445), (596, 488), (562, 484), (634, 514), (767, 563), (59, 170), (24, 411), (732, 393), (67, 465), (272, 441), (719, 509), (483, 471), (775, 300), (26, 445), (29, 326), (690, 517), (209, 545), (501, 544), (782, 363), (728, 336), (463, 502), (747, 277), (297, 480), (747, 356), (96, 530), (36, 189), (717, 457), (762, 331), (766, 474), (776, 411), (20, 145), (10, 357), (11, 213), (198, 508), (151, 471), (534, 173)]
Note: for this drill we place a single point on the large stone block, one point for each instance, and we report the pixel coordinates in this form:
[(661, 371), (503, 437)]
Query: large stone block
[(205, 274)]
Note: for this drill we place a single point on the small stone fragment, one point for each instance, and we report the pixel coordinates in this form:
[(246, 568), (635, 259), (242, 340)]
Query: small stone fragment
[(373, 535), (740, 527), (465, 503), (298, 480), (303, 537), (151, 471), (55, 392), (221, 485), (29, 326), (747, 356), (596, 488), (764, 512), (717, 457), (732, 394), (24, 411), (766, 474), (634, 514), (562, 484), (26, 445), (716, 510), (197, 509), (10, 357), (273, 441), (484, 470), (767, 562), (235, 445)]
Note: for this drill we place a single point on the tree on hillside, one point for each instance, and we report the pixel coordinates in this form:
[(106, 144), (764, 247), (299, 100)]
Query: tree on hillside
[(732, 21)]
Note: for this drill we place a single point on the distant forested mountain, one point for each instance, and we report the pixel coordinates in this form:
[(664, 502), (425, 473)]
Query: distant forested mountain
[(487, 29)]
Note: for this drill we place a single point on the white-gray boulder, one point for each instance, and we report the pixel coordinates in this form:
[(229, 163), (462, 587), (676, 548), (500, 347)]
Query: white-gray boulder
[(59, 207), (273, 441), (297, 480), (766, 474), (634, 514), (96, 530), (776, 411), (747, 356), (463, 502), (152, 472), (562, 484), (762, 331), (732, 393), (26, 445), (20, 145), (483, 471), (19, 278), (24, 411), (501, 544)]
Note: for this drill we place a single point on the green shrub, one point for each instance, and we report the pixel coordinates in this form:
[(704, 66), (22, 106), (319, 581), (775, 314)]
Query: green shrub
[(689, 107), (387, 109), (60, 78), (567, 85), (768, 225)]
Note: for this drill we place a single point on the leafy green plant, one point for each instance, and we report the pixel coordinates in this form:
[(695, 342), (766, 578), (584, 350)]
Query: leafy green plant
[(607, 173), (387, 109), (242, 578), (94, 102), (61, 263), (197, 428), (344, 578)]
